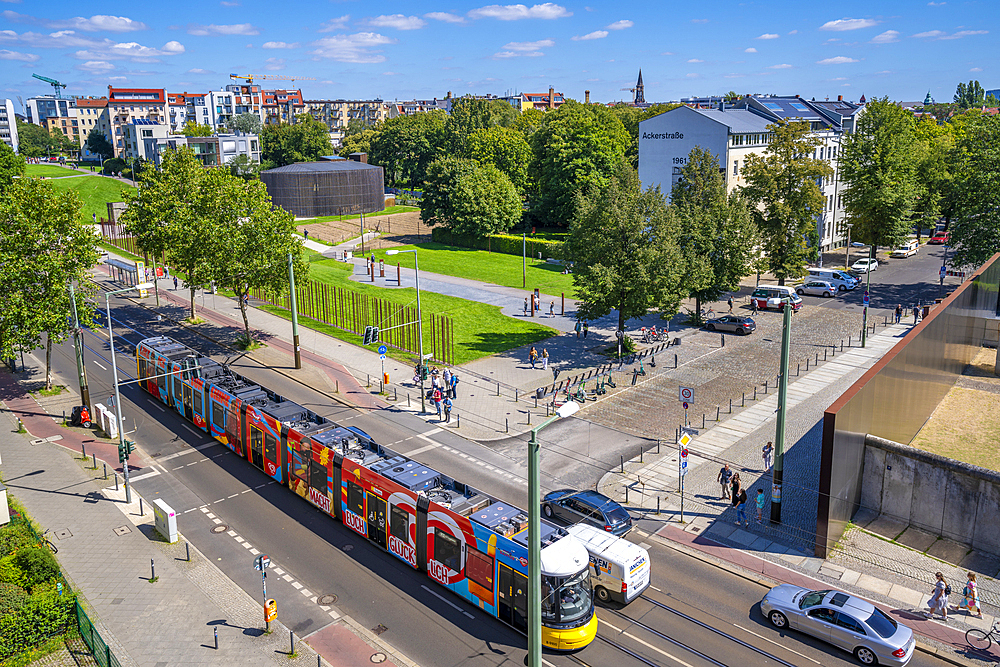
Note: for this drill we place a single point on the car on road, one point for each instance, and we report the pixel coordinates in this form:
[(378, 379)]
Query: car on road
[(816, 288), (865, 265), (939, 238), (738, 324), (572, 506), (846, 621)]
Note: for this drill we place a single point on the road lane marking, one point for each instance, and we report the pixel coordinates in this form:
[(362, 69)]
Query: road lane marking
[(771, 641), (99, 366), (421, 450), (447, 602), (147, 475)]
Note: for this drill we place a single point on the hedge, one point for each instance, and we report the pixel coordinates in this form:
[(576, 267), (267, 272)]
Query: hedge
[(45, 614), (507, 244)]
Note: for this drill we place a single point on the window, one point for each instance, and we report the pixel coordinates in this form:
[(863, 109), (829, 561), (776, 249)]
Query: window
[(143, 373), (479, 568), (399, 524), (198, 401), (256, 438), (848, 623), (736, 167), (821, 153), (881, 623), (318, 477), (218, 416), (355, 498), (447, 550), (177, 386), (270, 447), (825, 615), (162, 383)]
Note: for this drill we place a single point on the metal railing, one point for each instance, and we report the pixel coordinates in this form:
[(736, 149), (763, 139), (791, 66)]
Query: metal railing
[(98, 647)]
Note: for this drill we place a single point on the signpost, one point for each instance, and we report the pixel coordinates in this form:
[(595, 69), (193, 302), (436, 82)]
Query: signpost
[(685, 395), (682, 445), (382, 349), (619, 334), (261, 563)]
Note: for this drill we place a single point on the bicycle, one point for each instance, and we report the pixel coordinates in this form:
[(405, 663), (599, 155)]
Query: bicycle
[(707, 314), (49, 542), (981, 640)]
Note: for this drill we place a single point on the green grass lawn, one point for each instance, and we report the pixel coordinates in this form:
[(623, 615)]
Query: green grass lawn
[(95, 192), (48, 171), (480, 329), (336, 218), (483, 266)]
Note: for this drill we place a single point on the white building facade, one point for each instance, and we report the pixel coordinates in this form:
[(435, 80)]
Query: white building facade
[(8, 124)]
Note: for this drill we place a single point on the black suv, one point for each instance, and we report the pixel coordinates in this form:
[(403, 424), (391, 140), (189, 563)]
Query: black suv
[(595, 508)]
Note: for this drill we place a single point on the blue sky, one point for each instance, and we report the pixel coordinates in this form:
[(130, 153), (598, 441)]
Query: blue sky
[(425, 48)]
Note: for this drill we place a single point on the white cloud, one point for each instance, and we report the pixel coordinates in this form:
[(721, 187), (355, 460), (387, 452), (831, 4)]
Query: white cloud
[(279, 45), (781, 66), (198, 70), (838, 78), (836, 60), (848, 24), (15, 55), (515, 54), (97, 23), (699, 20), (444, 16), (390, 73), (547, 10), (940, 34), (733, 75), (620, 25), (597, 34), (529, 46), (398, 22), (936, 4), (793, 32), (667, 53), (750, 50), (94, 49), (965, 33), (976, 69), (96, 67), (769, 35), (695, 60), (274, 64), (213, 29), (930, 34), (360, 47), (117, 78), (338, 23), (693, 75), (887, 37)]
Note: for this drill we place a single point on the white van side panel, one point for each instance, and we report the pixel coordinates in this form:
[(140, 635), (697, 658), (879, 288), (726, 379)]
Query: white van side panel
[(614, 560)]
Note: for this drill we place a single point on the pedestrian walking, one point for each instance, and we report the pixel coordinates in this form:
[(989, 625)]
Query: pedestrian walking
[(533, 356), (899, 312), (766, 452), (545, 358), (453, 386), (525, 306), (916, 314), (730, 304), (175, 283), (552, 308), (579, 327), (970, 601), (436, 397), (725, 474), (538, 304), (939, 599), (446, 377), (741, 508), (447, 404), (305, 233), (753, 305), (760, 505), (734, 488), (586, 329)]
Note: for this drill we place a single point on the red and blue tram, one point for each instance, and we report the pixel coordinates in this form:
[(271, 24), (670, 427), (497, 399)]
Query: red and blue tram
[(464, 539)]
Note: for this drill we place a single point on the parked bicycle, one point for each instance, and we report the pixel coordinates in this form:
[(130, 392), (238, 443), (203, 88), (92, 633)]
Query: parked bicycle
[(49, 542), (707, 314), (981, 640)]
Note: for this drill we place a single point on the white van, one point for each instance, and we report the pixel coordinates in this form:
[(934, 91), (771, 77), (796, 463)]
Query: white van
[(906, 250), (619, 569), (839, 279)]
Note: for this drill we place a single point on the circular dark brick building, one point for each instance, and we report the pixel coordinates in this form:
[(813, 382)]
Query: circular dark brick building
[(339, 187)]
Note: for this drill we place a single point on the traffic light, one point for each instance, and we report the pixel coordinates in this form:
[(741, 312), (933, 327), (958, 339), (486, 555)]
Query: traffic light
[(368, 335), (122, 456), (129, 447), (423, 372), (374, 334)]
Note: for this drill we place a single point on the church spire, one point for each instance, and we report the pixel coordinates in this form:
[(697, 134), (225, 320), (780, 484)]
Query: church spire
[(640, 98)]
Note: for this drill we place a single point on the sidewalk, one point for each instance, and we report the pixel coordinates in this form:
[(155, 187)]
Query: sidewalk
[(105, 550)]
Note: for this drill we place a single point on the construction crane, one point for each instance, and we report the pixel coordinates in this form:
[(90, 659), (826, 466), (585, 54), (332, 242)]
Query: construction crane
[(270, 77), (55, 84)]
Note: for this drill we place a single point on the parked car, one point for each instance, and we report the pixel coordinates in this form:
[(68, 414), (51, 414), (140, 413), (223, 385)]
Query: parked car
[(908, 249), (865, 265), (839, 279), (595, 508), (738, 324), (848, 622), (939, 238), (816, 288)]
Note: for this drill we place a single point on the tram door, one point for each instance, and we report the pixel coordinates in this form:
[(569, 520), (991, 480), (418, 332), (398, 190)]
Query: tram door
[(377, 520), (187, 401), (256, 447), (513, 597)]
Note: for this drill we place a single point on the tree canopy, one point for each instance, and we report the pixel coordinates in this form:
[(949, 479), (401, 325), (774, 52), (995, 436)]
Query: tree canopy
[(975, 233), (469, 197), (98, 144), (972, 94), (504, 148), (245, 123), (469, 114), (11, 165), (193, 129), (405, 146), (304, 141)]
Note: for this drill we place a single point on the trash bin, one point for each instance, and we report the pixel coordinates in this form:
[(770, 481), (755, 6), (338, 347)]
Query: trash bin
[(540, 393)]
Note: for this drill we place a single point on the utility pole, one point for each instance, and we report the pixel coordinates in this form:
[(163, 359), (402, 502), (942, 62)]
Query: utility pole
[(524, 261), (779, 429), (295, 313), (81, 370), (868, 284)]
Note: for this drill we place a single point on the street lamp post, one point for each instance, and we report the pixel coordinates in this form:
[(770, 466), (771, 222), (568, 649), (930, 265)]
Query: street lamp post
[(420, 323), (535, 539), (114, 372)]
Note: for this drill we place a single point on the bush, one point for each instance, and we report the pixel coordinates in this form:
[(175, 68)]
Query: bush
[(14, 536), (10, 573), (12, 598), (38, 565), (507, 244), (45, 614)]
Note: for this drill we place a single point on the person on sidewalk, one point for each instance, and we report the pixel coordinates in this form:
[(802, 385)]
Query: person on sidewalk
[(753, 306), (533, 356), (970, 602), (730, 304), (916, 314), (939, 599), (447, 404), (545, 358), (741, 508), (525, 306), (586, 329), (767, 452), (446, 377), (760, 505), (437, 397), (725, 474), (552, 308), (899, 312), (175, 283), (579, 327), (734, 488), (453, 386)]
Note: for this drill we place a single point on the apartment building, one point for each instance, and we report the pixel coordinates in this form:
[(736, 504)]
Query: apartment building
[(281, 106), (337, 114), (126, 105), (8, 124), (733, 133), (211, 151), (247, 98), (38, 109), (549, 100), (136, 132)]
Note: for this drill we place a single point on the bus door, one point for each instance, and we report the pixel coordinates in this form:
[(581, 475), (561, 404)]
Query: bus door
[(513, 592), (198, 392), (272, 455), (377, 521)]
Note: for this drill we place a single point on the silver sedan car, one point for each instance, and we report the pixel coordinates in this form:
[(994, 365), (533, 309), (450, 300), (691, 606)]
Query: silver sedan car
[(846, 621), (817, 288)]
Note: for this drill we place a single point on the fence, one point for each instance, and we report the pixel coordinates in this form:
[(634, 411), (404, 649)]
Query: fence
[(353, 311), (115, 235), (98, 647)]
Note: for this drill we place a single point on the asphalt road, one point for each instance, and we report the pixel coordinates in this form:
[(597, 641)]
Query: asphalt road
[(423, 621)]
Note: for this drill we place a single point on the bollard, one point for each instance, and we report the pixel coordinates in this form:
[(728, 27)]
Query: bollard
[(657, 506), (546, 409), (536, 401), (83, 450), (723, 337), (94, 456), (407, 399), (743, 403), (152, 569), (187, 549), (848, 341), (319, 661), (623, 464), (657, 445), (506, 422), (395, 394), (717, 412), (458, 420), (626, 494), (529, 417), (816, 362), (216, 628), (105, 471), (640, 453), (116, 481), (841, 344), (798, 370), (675, 361), (755, 393), (369, 384), (498, 388), (824, 354), (141, 511), (730, 406), (337, 390), (515, 395), (291, 638), (807, 365), (702, 420)]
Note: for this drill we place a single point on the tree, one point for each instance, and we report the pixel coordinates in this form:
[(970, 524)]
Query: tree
[(970, 95), (630, 117), (623, 245), (252, 241), (356, 126), (469, 198), (529, 121), (405, 146), (469, 114), (506, 149), (716, 233), (44, 245), (34, 140), (304, 141), (357, 143), (577, 146), (785, 199), (11, 166), (933, 156), (245, 123), (98, 144), (193, 129), (975, 233), (244, 167), (877, 169)]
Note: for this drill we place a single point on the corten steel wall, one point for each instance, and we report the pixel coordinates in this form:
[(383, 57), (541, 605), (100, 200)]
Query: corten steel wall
[(898, 395), (314, 189)]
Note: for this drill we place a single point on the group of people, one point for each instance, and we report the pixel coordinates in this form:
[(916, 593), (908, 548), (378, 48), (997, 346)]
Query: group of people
[(938, 601), (536, 306), (443, 390), (732, 488), (534, 357), (582, 326), (899, 313)]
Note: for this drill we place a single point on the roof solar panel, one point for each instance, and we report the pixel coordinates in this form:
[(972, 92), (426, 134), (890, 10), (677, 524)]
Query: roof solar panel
[(773, 106)]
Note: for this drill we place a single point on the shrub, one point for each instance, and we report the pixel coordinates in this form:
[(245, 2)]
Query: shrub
[(507, 244), (13, 536), (10, 573), (12, 598), (46, 613), (38, 565)]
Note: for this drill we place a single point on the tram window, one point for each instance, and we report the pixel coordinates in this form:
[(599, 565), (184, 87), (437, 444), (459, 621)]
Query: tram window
[(270, 447), (142, 369), (355, 498), (218, 416), (255, 439), (399, 524), (198, 405), (447, 550), (299, 466), (318, 477), (177, 386), (162, 383), (479, 568)]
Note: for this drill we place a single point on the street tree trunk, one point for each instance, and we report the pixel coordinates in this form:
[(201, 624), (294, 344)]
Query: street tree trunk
[(192, 302), (48, 361), (243, 311)]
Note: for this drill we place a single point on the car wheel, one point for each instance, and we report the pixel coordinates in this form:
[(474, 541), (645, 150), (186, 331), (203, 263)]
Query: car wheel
[(710, 327), (778, 620), (548, 511), (800, 292), (865, 656), (602, 594), (828, 295), (742, 332), (841, 288)]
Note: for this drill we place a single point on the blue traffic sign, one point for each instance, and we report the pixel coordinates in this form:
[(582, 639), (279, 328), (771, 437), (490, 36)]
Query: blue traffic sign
[(866, 300), (382, 349)]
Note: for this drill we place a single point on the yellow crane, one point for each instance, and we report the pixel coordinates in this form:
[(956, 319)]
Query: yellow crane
[(270, 77)]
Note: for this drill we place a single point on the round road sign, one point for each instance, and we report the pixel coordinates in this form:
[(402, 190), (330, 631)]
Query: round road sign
[(685, 404), (382, 349), (684, 453)]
